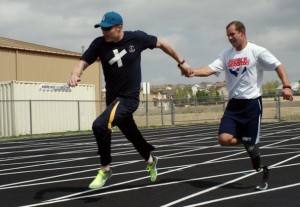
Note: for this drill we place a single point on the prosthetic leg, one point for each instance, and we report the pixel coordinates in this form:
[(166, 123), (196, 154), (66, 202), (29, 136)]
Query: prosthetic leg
[(253, 151)]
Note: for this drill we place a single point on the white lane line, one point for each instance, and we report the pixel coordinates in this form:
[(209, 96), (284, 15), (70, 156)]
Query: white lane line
[(130, 181), (62, 175), (229, 182), (70, 139), (72, 151), (244, 195), (132, 172), (17, 185), (56, 176), (179, 169), (173, 155), (82, 178), (221, 185), (43, 164), (41, 155), (147, 177), (79, 151), (278, 132), (68, 198), (72, 197)]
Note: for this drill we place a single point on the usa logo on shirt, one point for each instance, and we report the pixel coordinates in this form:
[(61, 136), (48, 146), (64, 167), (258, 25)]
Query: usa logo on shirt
[(235, 71), (236, 65)]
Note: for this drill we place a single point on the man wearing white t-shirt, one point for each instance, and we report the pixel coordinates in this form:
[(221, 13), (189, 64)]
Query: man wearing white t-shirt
[(243, 64)]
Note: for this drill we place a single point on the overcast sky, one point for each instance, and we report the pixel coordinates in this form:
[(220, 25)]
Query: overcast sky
[(195, 28)]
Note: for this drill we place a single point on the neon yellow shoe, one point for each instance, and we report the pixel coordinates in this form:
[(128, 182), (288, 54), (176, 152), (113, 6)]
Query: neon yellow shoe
[(152, 169), (100, 179)]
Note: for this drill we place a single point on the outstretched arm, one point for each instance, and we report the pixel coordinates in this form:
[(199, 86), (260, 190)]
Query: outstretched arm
[(168, 49), (202, 71), (77, 72), (287, 93)]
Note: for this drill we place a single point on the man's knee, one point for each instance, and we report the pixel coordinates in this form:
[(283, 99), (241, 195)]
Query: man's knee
[(99, 126), (225, 139)]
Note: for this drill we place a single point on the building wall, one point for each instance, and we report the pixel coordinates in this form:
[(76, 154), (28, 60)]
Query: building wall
[(37, 108), (8, 65), (26, 65)]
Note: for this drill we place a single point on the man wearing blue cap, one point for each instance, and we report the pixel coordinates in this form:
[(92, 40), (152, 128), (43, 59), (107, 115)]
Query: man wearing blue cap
[(120, 55)]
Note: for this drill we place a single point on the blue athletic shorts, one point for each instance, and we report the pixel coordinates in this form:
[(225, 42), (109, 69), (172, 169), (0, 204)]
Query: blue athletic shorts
[(242, 119)]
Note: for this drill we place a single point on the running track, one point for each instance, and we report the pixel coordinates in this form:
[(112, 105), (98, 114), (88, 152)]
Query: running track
[(193, 170)]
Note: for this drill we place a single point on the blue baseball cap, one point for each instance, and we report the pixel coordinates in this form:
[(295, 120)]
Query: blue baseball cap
[(110, 19)]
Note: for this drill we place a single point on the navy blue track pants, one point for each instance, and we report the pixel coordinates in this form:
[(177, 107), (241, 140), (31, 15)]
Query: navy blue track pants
[(119, 113)]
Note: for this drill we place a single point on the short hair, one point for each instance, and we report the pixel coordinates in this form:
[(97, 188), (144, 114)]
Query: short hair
[(238, 25)]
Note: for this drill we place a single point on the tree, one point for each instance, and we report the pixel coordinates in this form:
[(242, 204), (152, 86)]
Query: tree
[(201, 96), (201, 93), (213, 91), (183, 94), (269, 88)]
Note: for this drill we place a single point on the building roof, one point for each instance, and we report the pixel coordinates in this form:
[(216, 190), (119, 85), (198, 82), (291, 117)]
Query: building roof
[(26, 46)]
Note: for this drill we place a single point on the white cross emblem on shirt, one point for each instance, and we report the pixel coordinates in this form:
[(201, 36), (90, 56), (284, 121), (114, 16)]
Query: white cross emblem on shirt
[(118, 57)]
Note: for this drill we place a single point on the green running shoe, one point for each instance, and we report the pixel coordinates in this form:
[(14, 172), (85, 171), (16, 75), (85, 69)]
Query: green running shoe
[(152, 169), (100, 179)]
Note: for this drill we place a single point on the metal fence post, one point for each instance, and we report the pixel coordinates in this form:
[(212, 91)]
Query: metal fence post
[(162, 113), (30, 116), (224, 103), (279, 108), (78, 111), (147, 123), (172, 112)]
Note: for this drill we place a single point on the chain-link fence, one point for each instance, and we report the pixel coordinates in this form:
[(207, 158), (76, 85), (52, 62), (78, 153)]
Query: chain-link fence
[(31, 117)]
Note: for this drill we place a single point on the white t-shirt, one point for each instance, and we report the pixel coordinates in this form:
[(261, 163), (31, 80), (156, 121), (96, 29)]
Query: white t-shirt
[(244, 70)]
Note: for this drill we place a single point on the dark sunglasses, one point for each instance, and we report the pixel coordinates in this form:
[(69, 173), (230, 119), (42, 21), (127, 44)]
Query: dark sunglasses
[(106, 28)]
